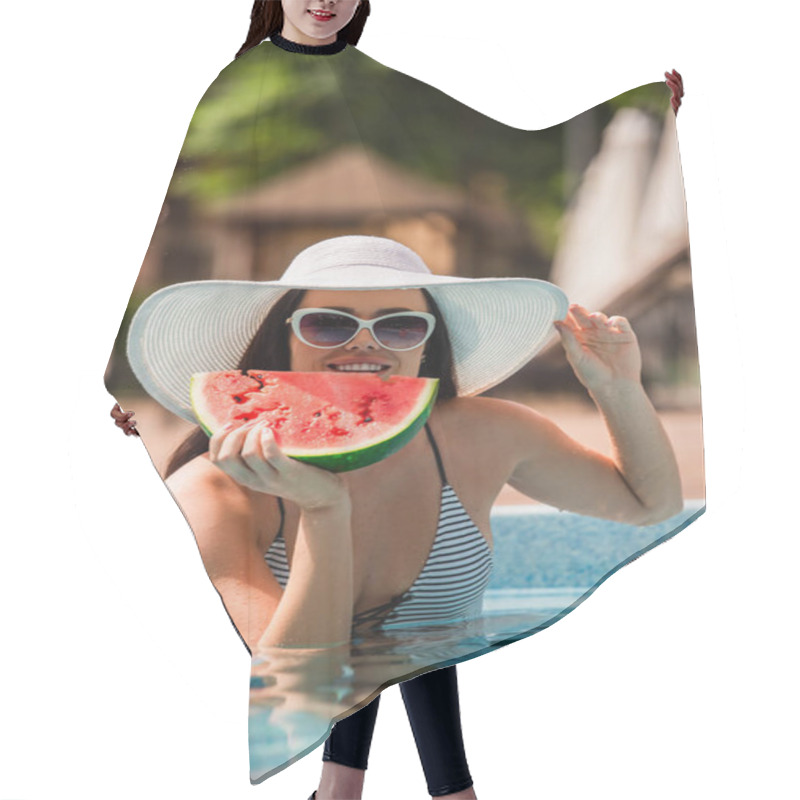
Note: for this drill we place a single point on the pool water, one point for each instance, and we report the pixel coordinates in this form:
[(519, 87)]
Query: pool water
[(546, 562)]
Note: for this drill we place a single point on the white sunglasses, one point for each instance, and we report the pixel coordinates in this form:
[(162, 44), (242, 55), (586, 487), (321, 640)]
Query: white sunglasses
[(325, 328)]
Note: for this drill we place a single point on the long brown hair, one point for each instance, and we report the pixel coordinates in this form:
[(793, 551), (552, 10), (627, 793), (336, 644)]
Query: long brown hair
[(266, 19), (269, 350)]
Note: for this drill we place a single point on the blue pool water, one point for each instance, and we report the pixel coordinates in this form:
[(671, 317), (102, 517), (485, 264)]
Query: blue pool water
[(546, 562)]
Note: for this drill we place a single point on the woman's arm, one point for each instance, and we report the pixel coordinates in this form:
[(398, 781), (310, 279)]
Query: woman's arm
[(317, 605), (640, 484), (224, 526), (215, 494)]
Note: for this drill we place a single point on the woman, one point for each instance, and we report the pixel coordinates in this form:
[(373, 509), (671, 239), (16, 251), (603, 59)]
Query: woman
[(317, 610), (356, 544), (314, 23)]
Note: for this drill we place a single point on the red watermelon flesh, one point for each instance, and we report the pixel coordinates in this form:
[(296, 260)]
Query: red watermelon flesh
[(333, 420)]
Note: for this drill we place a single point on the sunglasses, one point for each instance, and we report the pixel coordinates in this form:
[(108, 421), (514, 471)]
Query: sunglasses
[(324, 328)]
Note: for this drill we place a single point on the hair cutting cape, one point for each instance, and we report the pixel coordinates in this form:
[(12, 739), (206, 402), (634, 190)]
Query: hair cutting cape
[(286, 149)]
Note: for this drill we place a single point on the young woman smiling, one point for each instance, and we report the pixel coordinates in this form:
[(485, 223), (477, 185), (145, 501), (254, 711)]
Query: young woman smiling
[(304, 557), (317, 24)]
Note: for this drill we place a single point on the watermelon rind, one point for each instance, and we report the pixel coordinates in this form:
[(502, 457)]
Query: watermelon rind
[(201, 413), (338, 460), (346, 460)]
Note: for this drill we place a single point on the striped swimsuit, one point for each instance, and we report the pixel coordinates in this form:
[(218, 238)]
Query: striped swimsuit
[(452, 582)]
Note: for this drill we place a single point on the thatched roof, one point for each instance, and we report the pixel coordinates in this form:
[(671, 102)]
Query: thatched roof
[(350, 182)]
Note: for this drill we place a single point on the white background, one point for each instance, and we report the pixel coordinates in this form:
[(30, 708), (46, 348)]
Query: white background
[(121, 675)]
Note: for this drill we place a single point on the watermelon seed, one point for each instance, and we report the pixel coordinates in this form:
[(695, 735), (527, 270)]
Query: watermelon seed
[(256, 376), (238, 398)]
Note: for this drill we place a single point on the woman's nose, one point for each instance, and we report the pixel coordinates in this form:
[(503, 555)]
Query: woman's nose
[(363, 340)]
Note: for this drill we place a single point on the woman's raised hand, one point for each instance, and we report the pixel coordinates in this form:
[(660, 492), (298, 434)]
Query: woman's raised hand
[(252, 457), (123, 419), (600, 349), (675, 83)]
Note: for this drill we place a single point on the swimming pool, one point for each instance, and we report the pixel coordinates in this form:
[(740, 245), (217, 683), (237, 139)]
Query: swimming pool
[(546, 563)]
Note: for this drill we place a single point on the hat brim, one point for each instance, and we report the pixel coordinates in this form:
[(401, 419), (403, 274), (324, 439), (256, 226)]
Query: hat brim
[(495, 325)]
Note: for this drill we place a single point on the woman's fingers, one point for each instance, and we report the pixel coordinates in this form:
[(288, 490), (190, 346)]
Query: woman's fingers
[(260, 451), (599, 319), (599, 348), (123, 420), (250, 454), (583, 319), (582, 329), (576, 318), (675, 84), (272, 452), (621, 324), (573, 342), (578, 314), (225, 447), (217, 440), (568, 339), (235, 457), (675, 79), (580, 319)]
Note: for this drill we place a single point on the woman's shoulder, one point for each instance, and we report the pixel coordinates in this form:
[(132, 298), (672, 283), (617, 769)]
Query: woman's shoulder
[(200, 473), (486, 411), (201, 482), (212, 501), (482, 440), (491, 421)]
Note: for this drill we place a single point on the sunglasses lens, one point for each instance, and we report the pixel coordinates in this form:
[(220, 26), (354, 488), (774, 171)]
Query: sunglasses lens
[(401, 332), (327, 330)]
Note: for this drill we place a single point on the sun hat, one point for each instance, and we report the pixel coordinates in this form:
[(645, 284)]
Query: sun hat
[(495, 325)]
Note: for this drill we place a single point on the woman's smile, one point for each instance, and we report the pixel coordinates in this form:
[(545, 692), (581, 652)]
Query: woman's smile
[(314, 22), (323, 16), (358, 365)]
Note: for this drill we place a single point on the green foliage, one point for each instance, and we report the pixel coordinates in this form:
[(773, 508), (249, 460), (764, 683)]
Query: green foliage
[(652, 97), (119, 376), (270, 112)]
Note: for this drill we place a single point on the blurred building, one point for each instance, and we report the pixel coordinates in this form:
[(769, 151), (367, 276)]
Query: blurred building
[(624, 250), (253, 236), (623, 246)]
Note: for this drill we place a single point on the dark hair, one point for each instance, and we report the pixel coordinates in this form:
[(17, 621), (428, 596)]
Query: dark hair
[(438, 361), (266, 19), (269, 350)]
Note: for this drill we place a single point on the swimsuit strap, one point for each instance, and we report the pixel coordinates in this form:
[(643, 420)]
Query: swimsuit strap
[(282, 511), (373, 617), (437, 454)]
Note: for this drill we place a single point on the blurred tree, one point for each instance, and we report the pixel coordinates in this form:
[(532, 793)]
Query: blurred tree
[(264, 115)]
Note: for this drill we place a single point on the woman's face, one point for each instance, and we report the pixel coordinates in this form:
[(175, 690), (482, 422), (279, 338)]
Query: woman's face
[(363, 352), (315, 22)]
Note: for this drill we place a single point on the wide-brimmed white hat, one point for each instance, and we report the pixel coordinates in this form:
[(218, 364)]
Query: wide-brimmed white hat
[(495, 325)]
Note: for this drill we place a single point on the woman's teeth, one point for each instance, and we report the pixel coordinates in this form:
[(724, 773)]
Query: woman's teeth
[(358, 367), (325, 15)]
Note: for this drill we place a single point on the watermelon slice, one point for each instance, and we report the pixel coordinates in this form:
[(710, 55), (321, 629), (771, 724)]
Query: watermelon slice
[(336, 421)]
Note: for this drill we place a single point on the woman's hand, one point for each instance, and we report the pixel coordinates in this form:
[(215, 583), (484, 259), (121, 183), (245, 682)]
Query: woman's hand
[(124, 420), (675, 83), (601, 350), (252, 457)]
